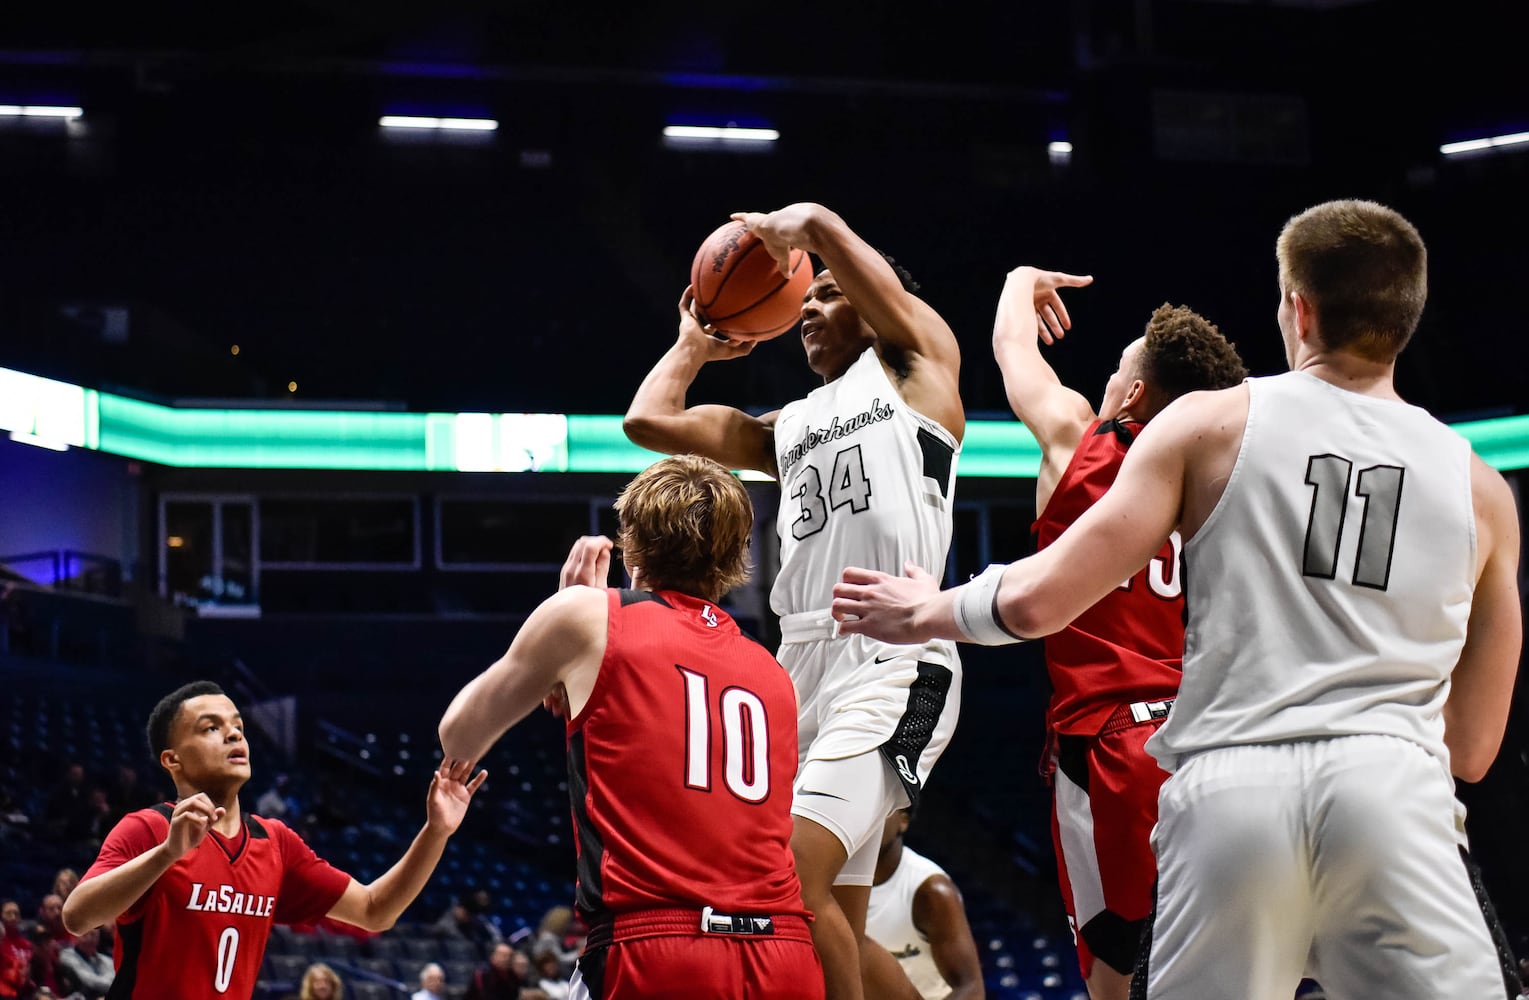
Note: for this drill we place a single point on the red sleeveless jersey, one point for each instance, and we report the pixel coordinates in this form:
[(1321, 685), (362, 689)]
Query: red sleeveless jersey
[(200, 931), (1130, 646), (681, 765)]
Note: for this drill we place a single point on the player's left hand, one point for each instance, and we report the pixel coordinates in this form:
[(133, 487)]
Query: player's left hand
[(883, 606), (450, 792), (588, 563)]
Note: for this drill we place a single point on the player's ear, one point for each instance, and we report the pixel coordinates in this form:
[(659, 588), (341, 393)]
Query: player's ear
[(1134, 394), (169, 760)]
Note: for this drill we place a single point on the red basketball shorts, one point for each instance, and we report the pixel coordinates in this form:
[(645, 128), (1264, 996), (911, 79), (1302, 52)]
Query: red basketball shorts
[(1103, 809), (663, 953)]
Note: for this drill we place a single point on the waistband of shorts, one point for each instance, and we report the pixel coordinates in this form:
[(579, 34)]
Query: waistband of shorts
[(1135, 714), (809, 626), (689, 923)]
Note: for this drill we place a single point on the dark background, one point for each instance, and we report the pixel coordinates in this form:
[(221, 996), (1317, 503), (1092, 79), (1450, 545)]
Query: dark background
[(229, 184)]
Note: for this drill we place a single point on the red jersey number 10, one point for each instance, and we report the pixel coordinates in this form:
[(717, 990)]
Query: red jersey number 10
[(745, 739)]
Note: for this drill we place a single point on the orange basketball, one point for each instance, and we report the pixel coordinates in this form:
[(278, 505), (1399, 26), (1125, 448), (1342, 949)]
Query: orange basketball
[(740, 291)]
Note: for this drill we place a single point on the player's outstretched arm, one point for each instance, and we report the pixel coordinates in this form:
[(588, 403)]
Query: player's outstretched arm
[(658, 419), (1481, 688), (377, 906), (102, 898), (1039, 595), (940, 915), (1031, 310), (560, 643)]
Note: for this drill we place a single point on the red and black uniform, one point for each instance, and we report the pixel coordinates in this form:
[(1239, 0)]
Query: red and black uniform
[(1114, 672), (680, 772), (199, 932)]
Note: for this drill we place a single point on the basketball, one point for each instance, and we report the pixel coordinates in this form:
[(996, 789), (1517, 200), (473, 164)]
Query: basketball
[(739, 289)]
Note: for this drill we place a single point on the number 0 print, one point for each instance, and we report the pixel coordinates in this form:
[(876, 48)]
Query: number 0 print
[(228, 949), (745, 739), (1381, 488)]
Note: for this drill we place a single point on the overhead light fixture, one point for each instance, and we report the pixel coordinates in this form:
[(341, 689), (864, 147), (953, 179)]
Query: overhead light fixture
[(1488, 145), (440, 124), (39, 111), (721, 133), (1059, 152)]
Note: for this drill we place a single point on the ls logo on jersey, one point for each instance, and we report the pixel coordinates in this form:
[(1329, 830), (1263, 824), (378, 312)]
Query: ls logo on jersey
[(226, 899), (906, 771), (709, 616)]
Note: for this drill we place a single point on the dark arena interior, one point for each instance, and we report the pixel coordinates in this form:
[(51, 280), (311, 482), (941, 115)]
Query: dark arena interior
[(312, 406)]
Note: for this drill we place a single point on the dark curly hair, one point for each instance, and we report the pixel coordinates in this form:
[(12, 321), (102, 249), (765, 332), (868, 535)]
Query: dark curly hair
[(1185, 352), (909, 285)]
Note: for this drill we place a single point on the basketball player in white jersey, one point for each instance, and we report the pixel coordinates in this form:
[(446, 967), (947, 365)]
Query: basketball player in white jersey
[(1354, 632), (916, 913), (867, 467)]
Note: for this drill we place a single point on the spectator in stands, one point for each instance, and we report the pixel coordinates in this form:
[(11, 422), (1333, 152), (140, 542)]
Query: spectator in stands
[(550, 977), (64, 881), (15, 953), (83, 970), (497, 980), (97, 822), (321, 982), (49, 938), (432, 983), (127, 794), (279, 802), (468, 918), (558, 932)]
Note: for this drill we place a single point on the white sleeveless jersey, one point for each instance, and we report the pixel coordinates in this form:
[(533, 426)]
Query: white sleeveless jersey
[(1329, 589), (864, 480), (889, 922)]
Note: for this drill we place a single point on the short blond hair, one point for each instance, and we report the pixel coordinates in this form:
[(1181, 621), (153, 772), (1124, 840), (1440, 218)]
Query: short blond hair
[(1362, 268), (685, 525)]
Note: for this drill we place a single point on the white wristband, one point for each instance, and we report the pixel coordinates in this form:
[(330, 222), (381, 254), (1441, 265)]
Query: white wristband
[(976, 609)]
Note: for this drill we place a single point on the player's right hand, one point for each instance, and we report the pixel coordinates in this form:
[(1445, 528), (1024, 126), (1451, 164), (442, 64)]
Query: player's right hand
[(713, 344), (1049, 308), (189, 824)]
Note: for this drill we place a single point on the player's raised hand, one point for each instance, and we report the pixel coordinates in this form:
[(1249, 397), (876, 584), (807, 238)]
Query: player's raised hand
[(778, 231), (712, 343), (588, 563), (1049, 307), (883, 606), (450, 792), (189, 823)]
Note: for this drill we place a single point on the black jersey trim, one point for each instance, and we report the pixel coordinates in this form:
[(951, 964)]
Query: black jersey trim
[(257, 830), (1117, 427), (938, 457), (130, 940), (589, 890), (630, 597)]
